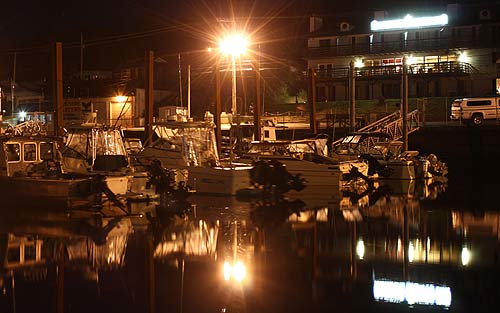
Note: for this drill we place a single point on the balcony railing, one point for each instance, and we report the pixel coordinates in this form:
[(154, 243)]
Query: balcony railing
[(366, 48), (392, 70)]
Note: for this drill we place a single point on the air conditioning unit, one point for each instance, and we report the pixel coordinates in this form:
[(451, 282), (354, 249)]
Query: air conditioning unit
[(345, 27), (485, 14)]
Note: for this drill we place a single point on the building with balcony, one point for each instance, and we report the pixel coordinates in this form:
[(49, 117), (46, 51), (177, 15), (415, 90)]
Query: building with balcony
[(452, 51)]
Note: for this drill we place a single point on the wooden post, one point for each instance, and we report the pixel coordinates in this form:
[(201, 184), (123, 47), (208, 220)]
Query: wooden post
[(57, 88), (148, 99), (218, 109), (352, 97), (405, 104), (256, 109), (312, 100)]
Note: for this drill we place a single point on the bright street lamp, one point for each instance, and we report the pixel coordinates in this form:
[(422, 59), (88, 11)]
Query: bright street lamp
[(233, 45)]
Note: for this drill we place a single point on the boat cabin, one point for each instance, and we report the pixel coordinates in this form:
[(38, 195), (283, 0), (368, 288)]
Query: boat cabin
[(94, 149), (295, 148), (27, 156)]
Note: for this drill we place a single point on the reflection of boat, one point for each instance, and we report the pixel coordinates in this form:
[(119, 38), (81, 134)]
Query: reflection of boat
[(183, 236), (31, 242), (31, 175), (190, 147)]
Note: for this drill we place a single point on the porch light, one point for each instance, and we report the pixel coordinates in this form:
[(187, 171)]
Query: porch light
[(359, 63), (22, 115), (120, 98), (463, 57), (411, 60)]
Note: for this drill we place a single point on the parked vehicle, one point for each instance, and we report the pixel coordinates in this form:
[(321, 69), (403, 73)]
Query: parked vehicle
[(475, 110)]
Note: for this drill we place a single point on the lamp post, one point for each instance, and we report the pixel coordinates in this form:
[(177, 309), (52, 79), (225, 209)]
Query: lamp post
[(233, 45)]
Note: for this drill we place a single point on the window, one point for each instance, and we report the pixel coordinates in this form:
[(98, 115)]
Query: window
[(29, 152), (324, 43), (476, 103), (46, 151), (13, 152)]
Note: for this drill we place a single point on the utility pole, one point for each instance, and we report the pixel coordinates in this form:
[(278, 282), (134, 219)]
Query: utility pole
[(180, 81), (312, 100), (256, 107), (189, 92), (405, 104), (57, 91), (218, 109), (81, 56), (13, 84), (352, 97)]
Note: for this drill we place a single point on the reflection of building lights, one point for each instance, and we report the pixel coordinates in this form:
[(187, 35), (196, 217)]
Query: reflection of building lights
[(237, 271), (411, 292), (360, 249), (465, 256), (463, 57), (411, 252)]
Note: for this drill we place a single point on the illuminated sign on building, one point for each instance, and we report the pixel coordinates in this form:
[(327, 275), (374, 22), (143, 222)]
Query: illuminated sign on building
[(411, 293), (410, 22)]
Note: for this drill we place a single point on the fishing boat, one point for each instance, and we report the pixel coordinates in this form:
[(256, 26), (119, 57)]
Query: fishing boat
[(386, 158), (308, 158), (31, 175), (94, 149), (190, 148), (99, 151)]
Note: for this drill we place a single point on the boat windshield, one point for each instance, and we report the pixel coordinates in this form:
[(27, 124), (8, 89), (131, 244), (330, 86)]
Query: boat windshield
[(95, 142), (195, 141), (269, 148)]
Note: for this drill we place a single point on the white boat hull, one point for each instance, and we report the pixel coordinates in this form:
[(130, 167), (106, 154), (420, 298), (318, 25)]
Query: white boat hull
[(219, 180)]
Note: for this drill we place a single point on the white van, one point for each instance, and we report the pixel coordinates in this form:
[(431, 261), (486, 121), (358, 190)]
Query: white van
[(475, 110)]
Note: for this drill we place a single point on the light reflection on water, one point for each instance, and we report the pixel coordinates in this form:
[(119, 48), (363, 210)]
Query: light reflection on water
[(286, 255)]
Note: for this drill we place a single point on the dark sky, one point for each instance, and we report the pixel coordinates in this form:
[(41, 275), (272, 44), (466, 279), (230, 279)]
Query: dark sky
[(116, 31), (33, 21)]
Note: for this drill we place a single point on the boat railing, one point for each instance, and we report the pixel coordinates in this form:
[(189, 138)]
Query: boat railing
[(391, 124)]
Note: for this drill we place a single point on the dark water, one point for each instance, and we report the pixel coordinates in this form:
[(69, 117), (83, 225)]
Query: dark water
[(435, 248)]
